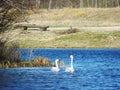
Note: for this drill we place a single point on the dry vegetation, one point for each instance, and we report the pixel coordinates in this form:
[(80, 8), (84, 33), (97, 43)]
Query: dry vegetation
[(65, 39), (69, 38), (76, 17), (37, 62)]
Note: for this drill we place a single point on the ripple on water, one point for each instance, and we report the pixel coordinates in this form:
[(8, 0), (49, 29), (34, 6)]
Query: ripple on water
[(94, 70)]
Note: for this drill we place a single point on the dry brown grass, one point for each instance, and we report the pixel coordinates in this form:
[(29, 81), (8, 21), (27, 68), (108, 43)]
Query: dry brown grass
[(68, 17), (67, 39), (76, 17)]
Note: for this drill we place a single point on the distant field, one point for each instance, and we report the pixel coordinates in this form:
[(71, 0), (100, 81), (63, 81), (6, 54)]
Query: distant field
[(76, 17), (69, 39), (64, 39)]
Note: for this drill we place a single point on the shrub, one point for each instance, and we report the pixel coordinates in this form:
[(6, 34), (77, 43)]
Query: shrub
[(9, 55), (9, 14)]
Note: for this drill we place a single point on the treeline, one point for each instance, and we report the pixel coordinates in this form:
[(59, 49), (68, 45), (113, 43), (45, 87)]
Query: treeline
[(56, 4)]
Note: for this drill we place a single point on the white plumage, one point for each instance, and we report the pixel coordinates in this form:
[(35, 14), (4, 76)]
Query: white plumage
[(71, 68), (56, 68)]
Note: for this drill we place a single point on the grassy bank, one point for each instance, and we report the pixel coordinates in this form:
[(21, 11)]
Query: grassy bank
[(87, 40), (67, 39), (84, 17)]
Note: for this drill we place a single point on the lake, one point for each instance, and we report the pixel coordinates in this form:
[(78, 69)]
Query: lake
[(95, 69)]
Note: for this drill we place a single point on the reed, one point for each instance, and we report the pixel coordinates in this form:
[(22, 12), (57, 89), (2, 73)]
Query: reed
[(10, 57), (37, 62)]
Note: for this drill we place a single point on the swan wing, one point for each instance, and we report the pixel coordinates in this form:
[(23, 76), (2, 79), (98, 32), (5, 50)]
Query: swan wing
[(69, 69)]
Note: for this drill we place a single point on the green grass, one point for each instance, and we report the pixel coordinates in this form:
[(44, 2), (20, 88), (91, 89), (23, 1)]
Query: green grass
[(81, 39), (77, 39), (88, 40), (84, 17)]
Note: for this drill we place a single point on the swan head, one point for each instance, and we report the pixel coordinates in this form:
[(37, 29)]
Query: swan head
[(56, 60), (71, 57)]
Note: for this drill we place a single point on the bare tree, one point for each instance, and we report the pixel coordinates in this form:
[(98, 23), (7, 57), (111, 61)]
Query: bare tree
[(118, 3), (92, 3), (88, 4), (10, 10), (96, 3), (81, 3), (50, 4), (106, 4), (38, 4)]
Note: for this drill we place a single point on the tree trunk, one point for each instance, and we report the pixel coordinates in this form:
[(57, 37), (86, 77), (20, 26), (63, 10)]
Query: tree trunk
[(81, 3), (50, 4), (118, 3), (37, 4), (88, 3), (92, 3), (106, 3), (96, 3)]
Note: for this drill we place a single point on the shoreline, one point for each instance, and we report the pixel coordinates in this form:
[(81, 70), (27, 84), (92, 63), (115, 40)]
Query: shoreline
[(71, 47)]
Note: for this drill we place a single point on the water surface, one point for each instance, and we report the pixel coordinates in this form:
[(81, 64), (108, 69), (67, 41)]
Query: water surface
[(95, 69)]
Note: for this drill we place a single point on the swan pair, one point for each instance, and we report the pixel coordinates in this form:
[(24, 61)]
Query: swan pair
[(68, 69)]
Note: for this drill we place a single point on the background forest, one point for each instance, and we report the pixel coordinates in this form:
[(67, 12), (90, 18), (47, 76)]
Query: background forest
[(56, 4)]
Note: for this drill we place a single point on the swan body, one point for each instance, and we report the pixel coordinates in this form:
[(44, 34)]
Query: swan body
[(56, 68), (70, 69)]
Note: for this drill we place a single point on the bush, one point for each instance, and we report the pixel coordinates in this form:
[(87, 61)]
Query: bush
[(9, 14), (9, 55)]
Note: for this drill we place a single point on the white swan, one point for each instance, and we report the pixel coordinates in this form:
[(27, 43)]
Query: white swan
[(70, 69), (56, 68)]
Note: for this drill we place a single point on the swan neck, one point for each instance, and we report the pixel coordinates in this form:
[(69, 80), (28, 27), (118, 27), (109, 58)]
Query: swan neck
[(56, 64), (71, 63)]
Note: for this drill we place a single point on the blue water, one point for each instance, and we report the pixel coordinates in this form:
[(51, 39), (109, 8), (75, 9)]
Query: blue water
[(95, 69)]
